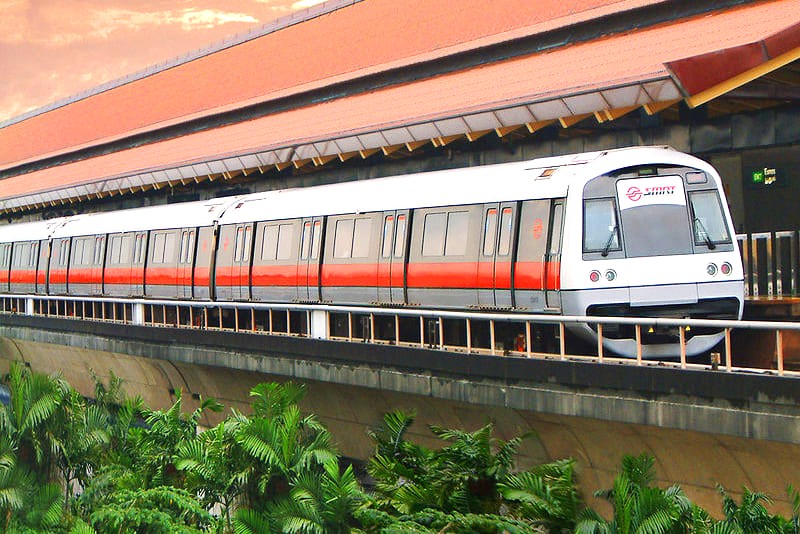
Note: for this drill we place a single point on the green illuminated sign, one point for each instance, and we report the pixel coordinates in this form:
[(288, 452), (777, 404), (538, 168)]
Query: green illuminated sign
[(765, 176)]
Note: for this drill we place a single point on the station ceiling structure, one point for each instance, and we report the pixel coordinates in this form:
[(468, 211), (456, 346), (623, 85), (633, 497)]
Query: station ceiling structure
[(357, 79)]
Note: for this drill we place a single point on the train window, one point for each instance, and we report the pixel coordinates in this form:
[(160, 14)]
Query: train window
[(238, 247), (388, 232), (343, 240), (115, 250), (269, 242), (64, 252), (708, 219), (126, 242), (489, 231), (184, 252), (316, 235), (159, 247), (400, 236), (306, 241), (600, 228), (433, 234), (361, 238), (138, 253), (506, 223), (276, 243), (82, 252), (285, 241), (34, 255), (555, 228), (457, 227), (98, 251)]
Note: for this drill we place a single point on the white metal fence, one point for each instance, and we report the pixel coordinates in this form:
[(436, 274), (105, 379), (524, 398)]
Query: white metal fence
[(498, 334), (770, 263)]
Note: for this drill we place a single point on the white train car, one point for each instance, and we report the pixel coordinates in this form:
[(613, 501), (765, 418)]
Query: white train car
[(641, 232)]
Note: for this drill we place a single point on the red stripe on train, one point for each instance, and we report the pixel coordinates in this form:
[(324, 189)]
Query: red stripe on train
[(527, 275)]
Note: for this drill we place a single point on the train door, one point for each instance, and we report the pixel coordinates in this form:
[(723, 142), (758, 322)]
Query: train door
[(44, 266), (495, 260), (186, 256), (241, 262), (392, 258), (204, 258), (96, 276), (552, 279), (309, 265)]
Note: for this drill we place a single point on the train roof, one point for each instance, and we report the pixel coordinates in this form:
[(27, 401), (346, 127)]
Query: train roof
[(30, 231), (187, 214), (540, 178), (549, 177)]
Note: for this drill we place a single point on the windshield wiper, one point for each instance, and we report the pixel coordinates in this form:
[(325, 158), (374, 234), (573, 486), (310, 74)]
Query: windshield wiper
[(610, 240), (710, 244)]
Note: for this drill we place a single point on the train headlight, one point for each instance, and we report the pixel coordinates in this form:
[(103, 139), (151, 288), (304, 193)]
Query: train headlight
[(611, 275), (726, 268), (594, 276), (711, 269)]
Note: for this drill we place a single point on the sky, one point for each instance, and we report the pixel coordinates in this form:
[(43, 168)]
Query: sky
[(53, 49)]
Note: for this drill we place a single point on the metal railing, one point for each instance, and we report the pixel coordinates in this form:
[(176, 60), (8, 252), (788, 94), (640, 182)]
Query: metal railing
[(770, 262), (497, 334)]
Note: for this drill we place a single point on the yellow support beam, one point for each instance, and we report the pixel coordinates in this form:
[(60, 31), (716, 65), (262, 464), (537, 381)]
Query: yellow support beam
[(613, 114), (367, 152), (535, 126), (445, 140), (572, 120), (283, 165), (411, 146), (344, 156), (392, 148), (505, 130), (298, 163), (656, 107), (740, 79), (473, 136), (319, 161)]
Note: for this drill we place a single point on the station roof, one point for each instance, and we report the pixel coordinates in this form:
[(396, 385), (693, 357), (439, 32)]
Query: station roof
[(695, 60)]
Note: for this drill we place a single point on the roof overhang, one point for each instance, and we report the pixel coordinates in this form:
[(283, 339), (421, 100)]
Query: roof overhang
[(600, 80)]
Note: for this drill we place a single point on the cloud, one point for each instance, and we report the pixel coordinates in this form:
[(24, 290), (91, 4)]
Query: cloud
[(60, 27), (106, 21), (303, 4)]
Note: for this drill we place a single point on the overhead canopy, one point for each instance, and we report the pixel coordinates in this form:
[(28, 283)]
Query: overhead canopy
[(695, 60)]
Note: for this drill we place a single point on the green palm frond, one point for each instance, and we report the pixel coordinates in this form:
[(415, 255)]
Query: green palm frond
[(248, 521)]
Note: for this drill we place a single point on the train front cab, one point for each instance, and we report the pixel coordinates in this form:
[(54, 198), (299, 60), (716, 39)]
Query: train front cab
[(656, 242)]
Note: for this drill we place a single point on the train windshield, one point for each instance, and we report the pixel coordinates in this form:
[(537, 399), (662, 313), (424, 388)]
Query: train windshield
[(653, 213), (708, 220), (654, 216)]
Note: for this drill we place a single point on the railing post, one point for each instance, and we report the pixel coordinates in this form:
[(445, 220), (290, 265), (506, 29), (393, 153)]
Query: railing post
[(600, 342), (137, 309), (682, 335), (638, 344), (728, 355), (779, 350)]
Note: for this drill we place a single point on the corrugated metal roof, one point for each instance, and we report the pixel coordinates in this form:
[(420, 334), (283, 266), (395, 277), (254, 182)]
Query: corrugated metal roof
[(614, 74), (339, 42)]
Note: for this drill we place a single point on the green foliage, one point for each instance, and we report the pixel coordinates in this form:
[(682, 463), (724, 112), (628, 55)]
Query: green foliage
[(750, 516), (149, 471), (640, 507), (35, 397), (546, 494), (156, 510)]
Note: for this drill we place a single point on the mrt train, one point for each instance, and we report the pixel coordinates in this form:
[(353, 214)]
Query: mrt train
[(642, 231)]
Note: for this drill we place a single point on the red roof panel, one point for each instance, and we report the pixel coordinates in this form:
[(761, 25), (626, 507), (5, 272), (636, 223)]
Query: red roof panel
[(581, 69), (368, 36)]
